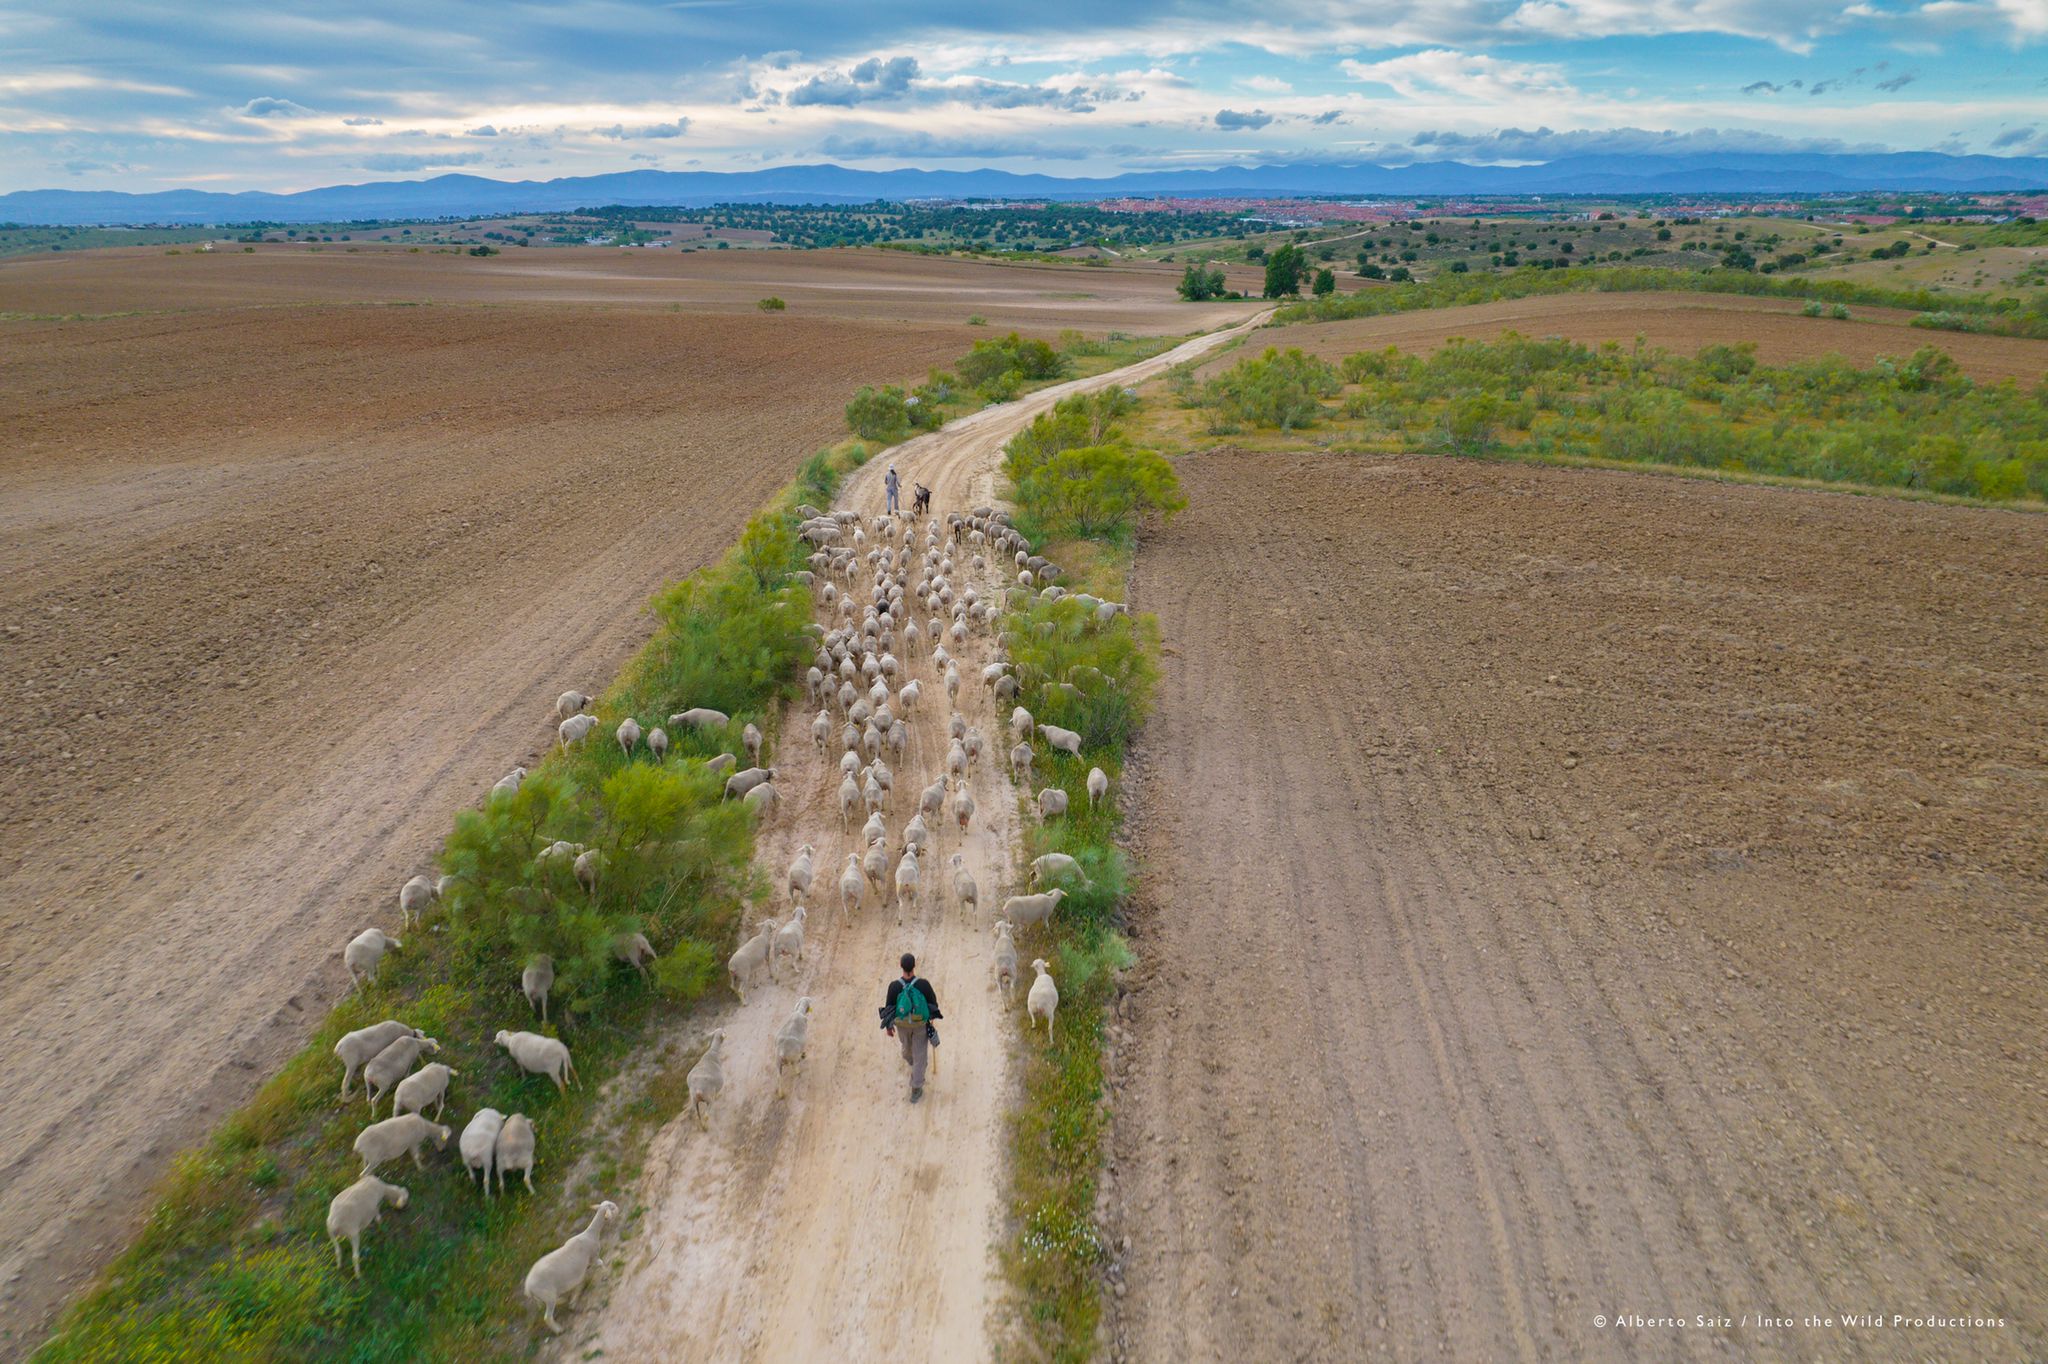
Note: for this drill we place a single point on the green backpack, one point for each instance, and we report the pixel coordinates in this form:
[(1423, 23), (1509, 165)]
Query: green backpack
[(911, 1006)]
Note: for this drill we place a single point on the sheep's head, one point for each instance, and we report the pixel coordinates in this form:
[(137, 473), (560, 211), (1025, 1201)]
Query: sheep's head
[(428, 1044), (803, 1006), (1038, 965), (1058, 895), (398, 1196), (606, 1210), (1003, 928), (440, 1137), (503, 1039)]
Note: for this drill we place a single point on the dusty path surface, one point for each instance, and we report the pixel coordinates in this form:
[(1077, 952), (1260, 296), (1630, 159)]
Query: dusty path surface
[(1570, 893), (840, 1222)]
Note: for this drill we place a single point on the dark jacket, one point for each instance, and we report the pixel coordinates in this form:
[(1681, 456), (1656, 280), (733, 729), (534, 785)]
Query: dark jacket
[(931, 997)]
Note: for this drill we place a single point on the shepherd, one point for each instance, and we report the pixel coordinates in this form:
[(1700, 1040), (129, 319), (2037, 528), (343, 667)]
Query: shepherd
[(909, 1008), (892, 486)]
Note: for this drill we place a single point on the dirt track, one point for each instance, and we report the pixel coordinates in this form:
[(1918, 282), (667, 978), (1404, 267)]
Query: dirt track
[(840, 1223), (1573, 892)]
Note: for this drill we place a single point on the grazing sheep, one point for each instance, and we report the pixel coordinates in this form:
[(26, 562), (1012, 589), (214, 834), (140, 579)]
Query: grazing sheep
[(701, 717), (963, 807), (509, 784), (386, 1141), (789, 939), (363, 953), (358, 1048), (1053, 865), (763, 800), (538, 1055), (570, 703), (790, 1041), (1020, 764), (1021, 723), (634, 950), (751, 737), (353, 1211), (588, 864), (751, 956), (536, 980), (393, 1064), (629, 736), (1043, 999), (1005, 957), (1026, 910), (707, 1078), (559, 1275), (851, 884), (414, 897), (514, 1150), (442, 885), (479, 1141), (427, 1085), (1052, 801), (721, 763), (799, 880), (739, 783), (657, 743), (964, 889), (1098, 785), (573, 729), (1065, 740)]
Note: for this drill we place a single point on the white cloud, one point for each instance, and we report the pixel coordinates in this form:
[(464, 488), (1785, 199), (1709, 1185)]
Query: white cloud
[(1465, 75), (269, 106)]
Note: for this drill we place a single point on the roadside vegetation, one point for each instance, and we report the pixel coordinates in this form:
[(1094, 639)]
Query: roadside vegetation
[(996, 370), (234, 1263), (1915, 422)]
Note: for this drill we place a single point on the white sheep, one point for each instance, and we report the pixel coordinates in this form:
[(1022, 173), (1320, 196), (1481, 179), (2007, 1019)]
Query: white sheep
[(849, 800), (790, 1044), (789, 939), (721, 763), (963, 807), (1065, 740), (751, 737), (701, 717), (573, 729), (358, 1048), (393, 1064), (657, 743), (917, 833), (427, 1085), (763, 800), (875, 828), (1021, 723), (559, 1275), (1053, 865), (509, 784), (479, 1142), (707, 1078), (964, 889), (386, 1141), (634, 950), (363, 953), (908, 696), (514, 1150), (352, 1212), (851, 884), (628, 735), (739, 783), (1006, 957), (1020, 764), (1026, 910), (588, 864), (536, 980), (1043, 999), (538, 1055), (821, 731), (906, 878), (1052, 801), (414, 897), (751, 956), (1098, 785), (570, 703)]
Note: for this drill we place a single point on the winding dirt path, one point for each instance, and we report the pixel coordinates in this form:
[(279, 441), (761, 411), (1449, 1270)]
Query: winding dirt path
[(839, 1222)]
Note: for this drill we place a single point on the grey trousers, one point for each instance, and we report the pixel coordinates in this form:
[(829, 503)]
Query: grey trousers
[(917, 1050)]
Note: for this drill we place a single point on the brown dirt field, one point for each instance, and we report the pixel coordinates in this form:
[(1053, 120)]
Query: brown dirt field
[(1681, 323), (282, 588), (865, 286), (1572, 892)]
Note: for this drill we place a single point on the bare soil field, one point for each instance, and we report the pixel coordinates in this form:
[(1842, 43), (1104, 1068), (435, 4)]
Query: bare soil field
[(865, 286), (1571, 893), (284, 587), (1681, 323)]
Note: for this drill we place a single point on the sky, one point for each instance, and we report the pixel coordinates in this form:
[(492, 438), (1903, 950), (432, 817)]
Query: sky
[(115, 94)]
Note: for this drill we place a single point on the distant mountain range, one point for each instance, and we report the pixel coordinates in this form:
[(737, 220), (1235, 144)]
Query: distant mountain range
[(471, 195)]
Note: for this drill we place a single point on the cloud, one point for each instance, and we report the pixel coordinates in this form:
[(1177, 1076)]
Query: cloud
[(485, 131), (1327, 117), (1898, 82), (1822, 87), (873, 79), (619, 132), (1232, 120), (1543, 144), (1761, 88), (2012, 137), (269, 106), (1271, 85), (407, 161), (988, 94), (885, 143), (362, 121), (1464, 75)]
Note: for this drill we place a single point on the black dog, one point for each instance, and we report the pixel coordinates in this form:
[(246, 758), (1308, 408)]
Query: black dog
[(922, 503)]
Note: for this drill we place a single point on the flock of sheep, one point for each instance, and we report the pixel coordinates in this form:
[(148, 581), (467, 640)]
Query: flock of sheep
[(870, 579)]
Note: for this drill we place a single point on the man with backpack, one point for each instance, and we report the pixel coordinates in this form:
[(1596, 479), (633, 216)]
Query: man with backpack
[(909, 1009)]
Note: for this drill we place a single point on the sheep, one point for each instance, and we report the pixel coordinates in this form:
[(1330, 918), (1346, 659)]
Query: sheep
[(1098, 785), (570, 703), (1026, 910), (1043, 999), (956, 759), (963, 807), (358, 1048), (363, 953), (875, 828), (751, 737), (707, 1078), (442, 885), (514, 1150), (657, 743), (509, 784), (906, 879), (634, 950), (799, 879), (1052, 801), (536, 980), (354, 1210), (427, 1085), (917, 833), (789, 939), (790, 1040), (909, 695), (538, 1055), (628, 735), (701, 717), (876, 864), (739, 783), (849, 800), (386, 1141), (821, 731), (479, 1141), (1020, 764), (851, 884), (763, 800), (414, 897), (964, 889), (1065, 740), (559, 1275), (1006, 957), (1021, 723), (1045, 868), (574, 728), (750, 957), (933, 799), (588, 864), (720, 763), (973, 742), (393, 1064)]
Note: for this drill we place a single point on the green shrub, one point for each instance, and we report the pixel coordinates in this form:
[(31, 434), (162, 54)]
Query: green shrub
[(1098, 491), (1283, 389), (771, 304), (1199, 285), (878, 413)]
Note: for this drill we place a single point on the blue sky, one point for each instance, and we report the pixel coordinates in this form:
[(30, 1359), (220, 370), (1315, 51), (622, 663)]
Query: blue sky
[(116, 94)]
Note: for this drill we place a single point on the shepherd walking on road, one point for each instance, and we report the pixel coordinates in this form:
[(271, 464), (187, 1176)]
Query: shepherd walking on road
[(909, 1009), (893, 485)]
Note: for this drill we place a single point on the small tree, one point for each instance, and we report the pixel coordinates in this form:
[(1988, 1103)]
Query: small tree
[(1198, 285), (1326, 283), (877, 413), (1099, 490), (1284, 269)]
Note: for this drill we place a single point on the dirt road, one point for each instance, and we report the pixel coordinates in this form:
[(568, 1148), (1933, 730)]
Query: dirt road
[(1573, 893), (842, 1223)]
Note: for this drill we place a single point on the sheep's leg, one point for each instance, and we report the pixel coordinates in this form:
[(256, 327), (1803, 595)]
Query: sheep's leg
[(529, 1179), (337, 1250), (355, 1251), (548, 1315)]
